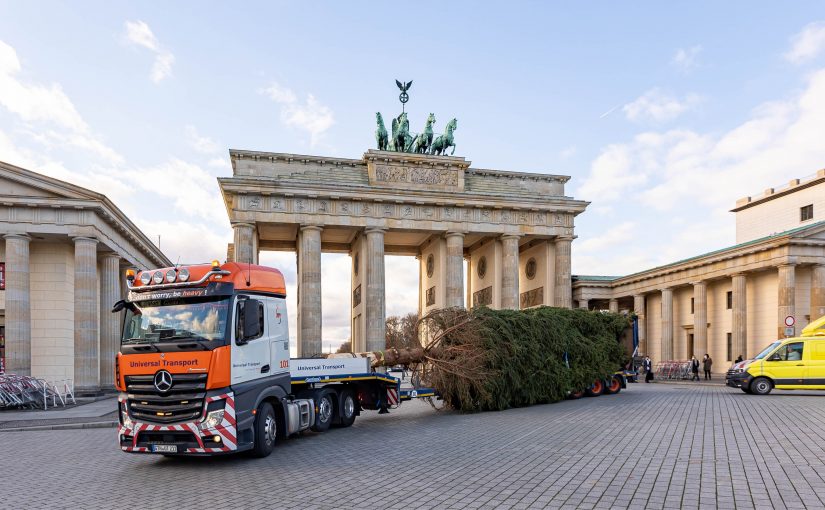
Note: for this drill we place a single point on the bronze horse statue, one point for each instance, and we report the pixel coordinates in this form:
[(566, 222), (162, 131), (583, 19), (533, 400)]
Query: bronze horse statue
[(381, 133), (401, 139), (423, 141), (442, 142)]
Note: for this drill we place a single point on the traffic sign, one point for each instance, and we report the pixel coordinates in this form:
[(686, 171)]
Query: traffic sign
[(789, 331), (790, 321)]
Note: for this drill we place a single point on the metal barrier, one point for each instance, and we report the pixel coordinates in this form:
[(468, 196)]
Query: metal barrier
[(25, 392)]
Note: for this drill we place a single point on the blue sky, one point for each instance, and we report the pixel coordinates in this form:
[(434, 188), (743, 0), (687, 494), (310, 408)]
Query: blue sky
[(663, 114)]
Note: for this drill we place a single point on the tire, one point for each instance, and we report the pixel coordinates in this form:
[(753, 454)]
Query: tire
[(575, 395), (746, 390), (614, 385), (347, 411), (324, 410), (265, 431), (761, 386), (595, 390)]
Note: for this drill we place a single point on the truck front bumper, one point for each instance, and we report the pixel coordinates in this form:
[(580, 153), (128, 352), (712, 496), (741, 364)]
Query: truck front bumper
[(185, 438)]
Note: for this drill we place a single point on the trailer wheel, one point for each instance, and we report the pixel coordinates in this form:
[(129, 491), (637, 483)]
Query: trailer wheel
[(347, 410), (595, 390), (613, 386), (265, 432), (575, 395), (324, 410)]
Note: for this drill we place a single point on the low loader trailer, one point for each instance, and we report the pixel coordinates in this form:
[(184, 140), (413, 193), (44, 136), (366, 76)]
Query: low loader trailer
[(204, 366)]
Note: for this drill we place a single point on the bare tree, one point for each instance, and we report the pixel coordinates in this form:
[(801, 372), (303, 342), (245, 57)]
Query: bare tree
[(345, 347), (402, 332)]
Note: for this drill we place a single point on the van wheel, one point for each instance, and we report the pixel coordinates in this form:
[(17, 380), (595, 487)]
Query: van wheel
[(347, 411), (324, 411), (266, 430), (761, 386), (746, 390), (595, 390), (613, 386)]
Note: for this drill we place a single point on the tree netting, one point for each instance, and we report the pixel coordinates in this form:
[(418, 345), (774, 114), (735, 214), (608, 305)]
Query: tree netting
[(486, 360)]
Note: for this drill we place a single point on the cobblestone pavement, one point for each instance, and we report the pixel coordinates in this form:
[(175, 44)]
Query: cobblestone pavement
[(652, 446)]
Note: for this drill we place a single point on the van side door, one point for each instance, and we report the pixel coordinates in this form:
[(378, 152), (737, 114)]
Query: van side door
[(816, 363), (786, 366)]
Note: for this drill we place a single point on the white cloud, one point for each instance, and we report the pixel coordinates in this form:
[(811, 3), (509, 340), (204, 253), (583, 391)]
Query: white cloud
[(697, 177), (139, 34), (47, 109), (310, 115), (807, 44), (685, 59), (657, 106), (202, 144)]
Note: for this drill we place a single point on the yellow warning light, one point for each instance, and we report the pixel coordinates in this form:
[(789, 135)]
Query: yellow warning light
[(130, 273), (215, 264)]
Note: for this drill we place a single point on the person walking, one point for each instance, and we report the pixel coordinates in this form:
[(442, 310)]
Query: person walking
[(648, 366), (706, 364), (694, 368), (739, 359)]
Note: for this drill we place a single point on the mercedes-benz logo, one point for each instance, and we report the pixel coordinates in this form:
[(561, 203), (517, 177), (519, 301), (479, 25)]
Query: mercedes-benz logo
[(163, 381)]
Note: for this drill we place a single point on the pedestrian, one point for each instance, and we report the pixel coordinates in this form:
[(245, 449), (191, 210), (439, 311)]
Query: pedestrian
[(706, 364), (694, 368), (648, 365), (739, 359)]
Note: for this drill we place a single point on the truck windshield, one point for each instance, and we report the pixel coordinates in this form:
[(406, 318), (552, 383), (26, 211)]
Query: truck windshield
[(767, 350), (176, 320)]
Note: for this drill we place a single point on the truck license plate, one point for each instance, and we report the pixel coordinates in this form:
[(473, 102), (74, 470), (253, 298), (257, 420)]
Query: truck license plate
[(165, 448)]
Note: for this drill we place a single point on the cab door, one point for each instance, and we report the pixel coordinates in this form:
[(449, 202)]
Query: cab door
[(250, 357), (279, 335), (786, 366), (815, 364)]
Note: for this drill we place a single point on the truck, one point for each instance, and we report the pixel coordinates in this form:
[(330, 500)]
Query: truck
[(204, 366)]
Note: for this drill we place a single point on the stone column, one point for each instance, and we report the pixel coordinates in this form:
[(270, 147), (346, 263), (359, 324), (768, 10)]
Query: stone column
[(639, 308), (739, 333), (455, 269), (613, 305), (86, 325), (564, 283), (309, 291), (509, 272), (18, 306), (110, 293), (700, 318), (376, 310), (786, 287), (584, 304), (817, 291), (667, 324), (246, 243)]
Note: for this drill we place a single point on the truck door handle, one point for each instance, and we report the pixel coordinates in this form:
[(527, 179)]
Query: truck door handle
[(265, 369)]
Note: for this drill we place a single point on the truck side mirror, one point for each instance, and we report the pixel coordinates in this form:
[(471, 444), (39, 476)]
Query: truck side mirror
[(250, 320)]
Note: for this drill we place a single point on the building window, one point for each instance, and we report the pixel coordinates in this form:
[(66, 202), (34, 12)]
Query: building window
[(806, 213), (730, 299), (691, 305), (730, 347)]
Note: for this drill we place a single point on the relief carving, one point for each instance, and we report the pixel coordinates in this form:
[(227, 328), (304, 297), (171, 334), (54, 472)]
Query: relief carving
[(416, 175)]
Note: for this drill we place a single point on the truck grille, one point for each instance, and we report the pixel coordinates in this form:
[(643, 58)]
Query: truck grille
[(183, 401)]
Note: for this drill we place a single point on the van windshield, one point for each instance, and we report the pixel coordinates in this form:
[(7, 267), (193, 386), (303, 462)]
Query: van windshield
[(767, 350)]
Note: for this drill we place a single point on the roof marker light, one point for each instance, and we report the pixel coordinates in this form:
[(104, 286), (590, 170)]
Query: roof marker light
[(157, 277), (145, 277), (170, 276), (183, 274)]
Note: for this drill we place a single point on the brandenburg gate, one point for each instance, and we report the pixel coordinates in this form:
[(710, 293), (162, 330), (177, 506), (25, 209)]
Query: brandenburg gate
[(514, 229)]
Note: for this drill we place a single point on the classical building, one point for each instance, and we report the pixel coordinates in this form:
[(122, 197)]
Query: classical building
[(514, 229), (63, 256), (732, 301)]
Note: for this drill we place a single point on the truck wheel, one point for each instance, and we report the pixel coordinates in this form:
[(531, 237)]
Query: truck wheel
[(324, 411), (595, 390), (761, 386), (613, 386), (347, 410), (266, 429)]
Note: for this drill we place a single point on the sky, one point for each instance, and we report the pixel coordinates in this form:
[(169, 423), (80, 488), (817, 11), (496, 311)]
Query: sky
[(663, 114)]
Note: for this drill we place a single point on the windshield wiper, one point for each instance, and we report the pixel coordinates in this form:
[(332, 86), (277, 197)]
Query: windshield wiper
[(199, 339), (137, 343)]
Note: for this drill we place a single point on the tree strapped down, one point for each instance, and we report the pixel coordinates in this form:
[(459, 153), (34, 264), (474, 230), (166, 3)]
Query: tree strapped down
[(487, 360)]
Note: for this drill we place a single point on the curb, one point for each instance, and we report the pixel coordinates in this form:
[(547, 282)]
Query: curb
[(64, 426)]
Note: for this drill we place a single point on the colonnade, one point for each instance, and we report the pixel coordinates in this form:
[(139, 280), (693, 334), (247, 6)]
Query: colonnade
[(786, 306), (96, 330)]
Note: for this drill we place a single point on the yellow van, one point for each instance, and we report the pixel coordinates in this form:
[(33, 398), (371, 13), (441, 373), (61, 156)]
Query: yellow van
[(789, 364)]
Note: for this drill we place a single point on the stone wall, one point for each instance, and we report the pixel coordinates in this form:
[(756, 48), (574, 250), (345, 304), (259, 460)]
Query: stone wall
[(772, 215)]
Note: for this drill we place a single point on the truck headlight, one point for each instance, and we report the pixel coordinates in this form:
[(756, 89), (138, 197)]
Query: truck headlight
[(212, 420)]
